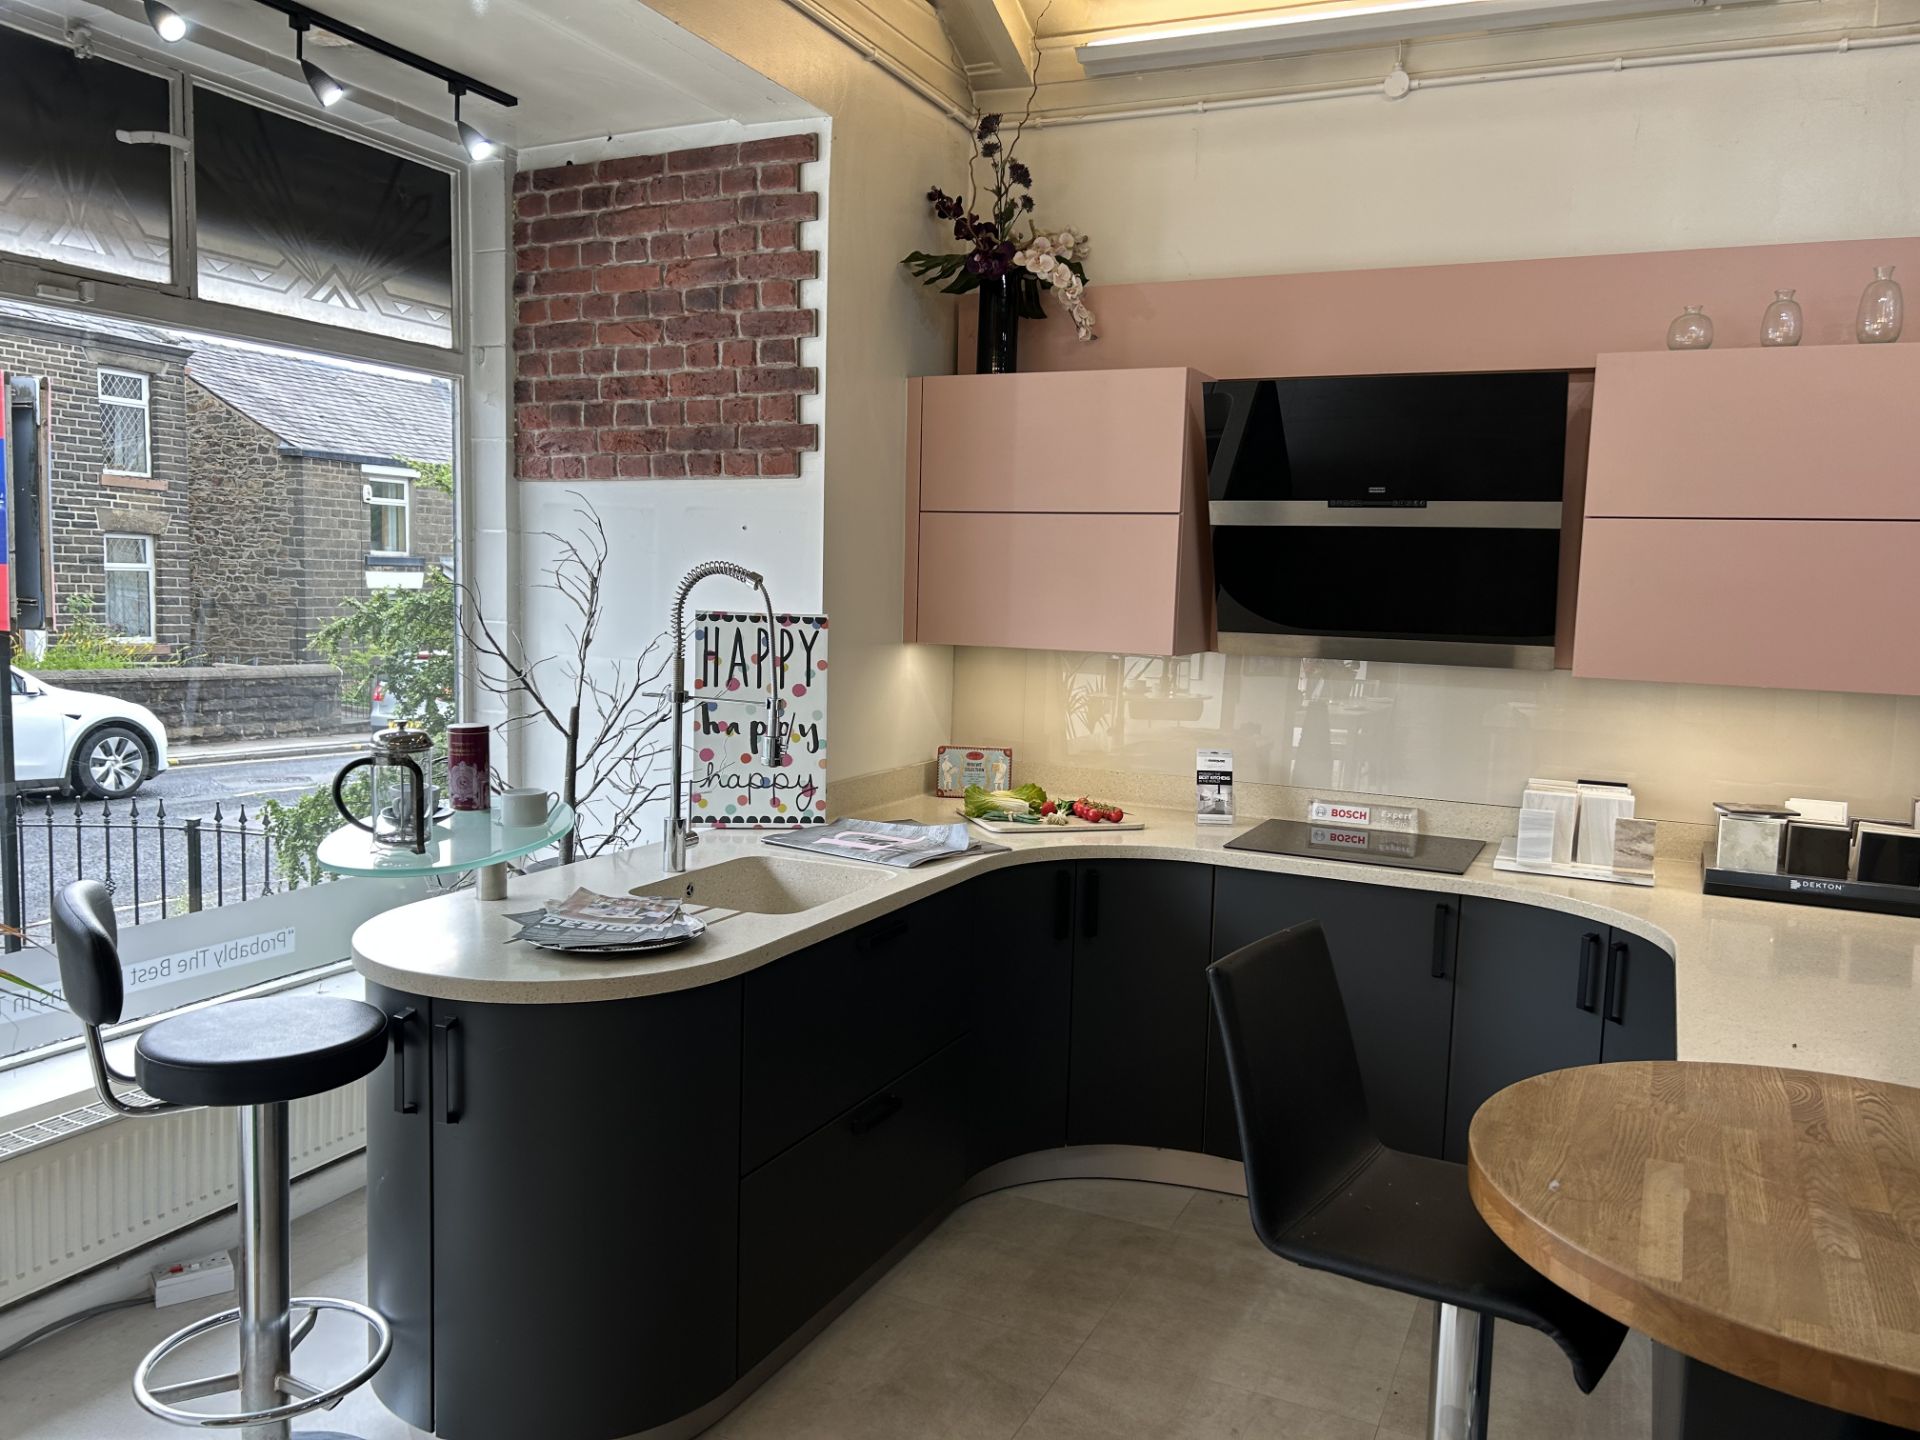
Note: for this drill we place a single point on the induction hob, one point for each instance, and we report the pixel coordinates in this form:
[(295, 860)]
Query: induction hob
[(1444, 854)]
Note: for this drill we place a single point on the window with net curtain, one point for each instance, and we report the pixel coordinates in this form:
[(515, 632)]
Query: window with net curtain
[(129, 566), (126, 422)]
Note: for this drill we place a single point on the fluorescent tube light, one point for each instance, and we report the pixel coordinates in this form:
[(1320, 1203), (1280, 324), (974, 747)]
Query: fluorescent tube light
[(1326, 27)]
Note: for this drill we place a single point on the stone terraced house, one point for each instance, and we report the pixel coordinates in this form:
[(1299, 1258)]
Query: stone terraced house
[(223, 501)]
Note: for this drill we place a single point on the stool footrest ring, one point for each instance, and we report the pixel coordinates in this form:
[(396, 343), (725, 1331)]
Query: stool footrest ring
[(159, 1399)]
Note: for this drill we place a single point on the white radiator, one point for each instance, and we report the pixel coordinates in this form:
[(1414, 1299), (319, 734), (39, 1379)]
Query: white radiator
[(83, 1188)]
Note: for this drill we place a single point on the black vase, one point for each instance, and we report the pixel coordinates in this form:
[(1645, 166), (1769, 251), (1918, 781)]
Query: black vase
[(997, 346)]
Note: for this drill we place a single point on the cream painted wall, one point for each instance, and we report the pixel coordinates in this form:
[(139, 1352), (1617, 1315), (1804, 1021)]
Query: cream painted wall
[(889, 704), (1811, 148)]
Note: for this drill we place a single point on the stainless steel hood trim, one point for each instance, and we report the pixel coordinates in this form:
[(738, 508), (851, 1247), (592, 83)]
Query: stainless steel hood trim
[(1434, 515), (1478, 653)]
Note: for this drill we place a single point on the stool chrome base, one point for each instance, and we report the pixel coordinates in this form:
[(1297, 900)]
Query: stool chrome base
[(1461, 1375)]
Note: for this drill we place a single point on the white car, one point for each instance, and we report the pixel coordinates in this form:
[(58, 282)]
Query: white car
[(96, 745)]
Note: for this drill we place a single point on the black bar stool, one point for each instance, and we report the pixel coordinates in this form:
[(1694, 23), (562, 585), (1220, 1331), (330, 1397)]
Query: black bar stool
[(252, 1056), (1326, 1194)]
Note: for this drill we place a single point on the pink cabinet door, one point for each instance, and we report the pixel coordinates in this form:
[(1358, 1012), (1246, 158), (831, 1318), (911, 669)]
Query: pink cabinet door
[(1802, 606), (1826, 432), (1057, 582), (1112, 441)]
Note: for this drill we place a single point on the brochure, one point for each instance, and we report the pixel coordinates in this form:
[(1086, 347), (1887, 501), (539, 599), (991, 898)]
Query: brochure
[(884, 842)]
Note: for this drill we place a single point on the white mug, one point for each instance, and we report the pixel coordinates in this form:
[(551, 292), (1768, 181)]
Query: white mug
[(526, 806)]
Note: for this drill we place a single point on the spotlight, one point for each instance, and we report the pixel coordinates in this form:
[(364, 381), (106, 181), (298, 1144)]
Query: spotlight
[(478, 145), (327, 90), (166, 23)]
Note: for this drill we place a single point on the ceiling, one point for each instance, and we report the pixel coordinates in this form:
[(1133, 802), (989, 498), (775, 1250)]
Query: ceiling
[(581, 68)]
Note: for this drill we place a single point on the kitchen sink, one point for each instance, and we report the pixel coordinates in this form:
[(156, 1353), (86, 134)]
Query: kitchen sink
[(765, 885)]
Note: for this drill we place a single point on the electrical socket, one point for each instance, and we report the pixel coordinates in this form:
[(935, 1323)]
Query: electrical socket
[(193, 1280)]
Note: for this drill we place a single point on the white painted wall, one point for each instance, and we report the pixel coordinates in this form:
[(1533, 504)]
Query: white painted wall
[(1751, 152)]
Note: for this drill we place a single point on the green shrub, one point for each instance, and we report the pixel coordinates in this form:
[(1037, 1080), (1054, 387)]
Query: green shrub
[(83, 643)]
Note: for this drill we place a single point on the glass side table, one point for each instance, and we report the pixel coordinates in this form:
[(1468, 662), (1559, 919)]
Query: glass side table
[(466, 840)]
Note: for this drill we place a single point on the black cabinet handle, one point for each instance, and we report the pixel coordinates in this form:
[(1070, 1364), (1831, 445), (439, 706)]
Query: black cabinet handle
[(1588, 996), (1063, 904), (875, 1113), (1090, 905), (450, 1068), (397, 1023), (1617, 983), (1441, 914), (882, 932)]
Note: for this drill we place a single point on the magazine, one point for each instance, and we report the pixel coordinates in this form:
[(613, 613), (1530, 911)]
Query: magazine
[(885, 842), (586, 921)]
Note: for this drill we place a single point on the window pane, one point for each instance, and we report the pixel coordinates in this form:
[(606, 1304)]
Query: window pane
[(389, 528), (124, 428), (129, 606), (126, 550), (120, 385), (300, 221), (395, 490), (69, 191)]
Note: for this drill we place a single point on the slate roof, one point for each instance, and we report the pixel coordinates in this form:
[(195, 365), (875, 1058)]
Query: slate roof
[(341, 411)]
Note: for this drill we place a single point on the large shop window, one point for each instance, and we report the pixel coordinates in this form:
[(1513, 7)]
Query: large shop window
[(307, 223), (70, 192), (129, 566), (125, 423)]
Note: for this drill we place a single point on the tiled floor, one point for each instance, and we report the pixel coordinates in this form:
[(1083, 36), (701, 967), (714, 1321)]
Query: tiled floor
[(1078, 1308)]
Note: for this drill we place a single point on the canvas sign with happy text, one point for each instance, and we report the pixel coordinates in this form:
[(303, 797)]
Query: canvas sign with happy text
[(732, 658)]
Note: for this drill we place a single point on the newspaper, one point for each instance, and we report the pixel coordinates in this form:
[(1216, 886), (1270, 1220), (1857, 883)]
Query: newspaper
[(587, 921), (898, 843)]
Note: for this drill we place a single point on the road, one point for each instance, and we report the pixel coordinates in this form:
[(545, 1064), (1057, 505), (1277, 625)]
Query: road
[(187, 793)]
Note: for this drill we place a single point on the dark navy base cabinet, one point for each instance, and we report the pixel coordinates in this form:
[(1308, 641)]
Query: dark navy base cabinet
[(588, 1220)]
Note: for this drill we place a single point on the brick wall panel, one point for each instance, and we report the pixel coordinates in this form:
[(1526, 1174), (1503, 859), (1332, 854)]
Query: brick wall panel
[(659, 317)]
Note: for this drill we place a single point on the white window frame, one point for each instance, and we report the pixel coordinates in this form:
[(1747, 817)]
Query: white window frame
[(121, 567), (144, 405), (404, 478)]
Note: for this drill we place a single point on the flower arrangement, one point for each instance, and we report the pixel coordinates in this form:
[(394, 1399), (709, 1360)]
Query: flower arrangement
[(1003, 244)]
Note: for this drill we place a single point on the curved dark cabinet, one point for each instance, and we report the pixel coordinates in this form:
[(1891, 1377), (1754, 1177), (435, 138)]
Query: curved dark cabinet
[(589, 1220)]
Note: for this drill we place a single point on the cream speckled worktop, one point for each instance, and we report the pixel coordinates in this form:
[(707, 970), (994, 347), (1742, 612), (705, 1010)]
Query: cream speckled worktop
[(1758, 983)]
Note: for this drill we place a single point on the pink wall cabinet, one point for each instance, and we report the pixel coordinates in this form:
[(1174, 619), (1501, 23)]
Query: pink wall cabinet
[(1060, 511), (1753, 518)]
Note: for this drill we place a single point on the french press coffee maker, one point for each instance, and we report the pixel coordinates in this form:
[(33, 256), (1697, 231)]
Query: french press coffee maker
[(404, 799)]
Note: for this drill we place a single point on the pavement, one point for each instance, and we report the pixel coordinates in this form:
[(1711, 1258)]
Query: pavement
[(225, 752)]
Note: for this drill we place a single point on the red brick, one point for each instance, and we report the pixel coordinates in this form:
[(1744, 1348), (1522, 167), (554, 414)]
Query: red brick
[(567, 417), (779, 407), (738, 240), (631, 167), (601, 467), (562, 282), (596, 362), (635, 467), (635, 304), (569, 467), (667, 189), (556, 177), (599, 307), (633, 387), (804, 206), (535, 467), (631, 442), (784, 236), (779, 295), (596, 197), (667, 247), (703, 355), (735, 353), (532, 312), (779, 352), (740, 297), (776, 437), (704, 300), (738, 410), (779, 462), (669, 465), (761, 323), (667, 412), (564, 202), (530, 207), (634, 249), (531, 363), (563, 362), (684, 273), (563, 257), (666, 357), (632, 192), (743, 181), (703, 242), (627, 277), (563, 307), (701, 437), (780, 265), (797, 148), (570, 336), (700, 327), (596, 252), (530, 417), (702, 214), (628, 332), (562, 227), (569, 388), (523, 182), (740, 464), (703, 464), (708, 157), (530, 257), (599, 415), (563, 442), (767, 379), (701, 382), (703, 412), (522, 231), (779, 177), (632, 358), (641, 220), (704, 186)]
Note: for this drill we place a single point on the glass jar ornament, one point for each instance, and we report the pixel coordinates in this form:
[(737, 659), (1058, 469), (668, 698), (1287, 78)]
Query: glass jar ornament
[(1882, 309), (1691, 330), (1782, 324)]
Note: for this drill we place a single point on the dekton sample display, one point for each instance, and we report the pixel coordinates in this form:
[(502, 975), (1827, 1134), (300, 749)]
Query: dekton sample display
[(1600, 805), (1817, 850), (1633, 844), (1753, 839), (1561, 800), (1886, 854)]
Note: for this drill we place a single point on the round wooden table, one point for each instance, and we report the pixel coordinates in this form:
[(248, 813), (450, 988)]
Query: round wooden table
[(1765, 1222)]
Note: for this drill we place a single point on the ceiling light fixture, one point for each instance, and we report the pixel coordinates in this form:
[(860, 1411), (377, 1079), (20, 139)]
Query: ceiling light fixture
[(327, 90), (166, 22), (478, 145), (1330, 26)]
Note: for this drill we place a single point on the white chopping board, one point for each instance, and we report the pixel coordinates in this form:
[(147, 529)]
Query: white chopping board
[(1074, 825)]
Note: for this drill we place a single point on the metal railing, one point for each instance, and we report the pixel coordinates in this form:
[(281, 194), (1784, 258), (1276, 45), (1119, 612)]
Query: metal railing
[(153, 865)]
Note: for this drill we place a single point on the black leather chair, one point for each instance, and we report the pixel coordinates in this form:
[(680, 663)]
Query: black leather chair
[(1326, 1194), (253, 1056)]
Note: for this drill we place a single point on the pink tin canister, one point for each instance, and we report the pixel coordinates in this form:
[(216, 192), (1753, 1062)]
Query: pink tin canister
[(468, 766)]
